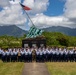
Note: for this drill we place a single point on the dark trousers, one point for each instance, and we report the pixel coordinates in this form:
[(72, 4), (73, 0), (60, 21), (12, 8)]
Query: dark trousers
[(53, 57), (8, 58), (15, 58), (71, 58), (41, 58), (37, 58), (0, 56), (3, 58), (66, 58), (19, 58), (57, 57), (26, 58), (11, 58), (75, 57), (30, 57), (49, 57), (44, 57), (22, 57)]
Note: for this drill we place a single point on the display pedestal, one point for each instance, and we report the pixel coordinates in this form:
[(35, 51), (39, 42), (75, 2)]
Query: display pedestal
[(32, 42)]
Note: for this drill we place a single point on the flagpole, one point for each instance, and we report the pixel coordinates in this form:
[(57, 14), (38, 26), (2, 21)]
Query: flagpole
[(28, 16)]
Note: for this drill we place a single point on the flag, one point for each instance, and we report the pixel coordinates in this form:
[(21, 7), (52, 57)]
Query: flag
[(25, 7)]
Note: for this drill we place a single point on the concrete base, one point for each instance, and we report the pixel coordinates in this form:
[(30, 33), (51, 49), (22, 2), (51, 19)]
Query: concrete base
[(39, 42)]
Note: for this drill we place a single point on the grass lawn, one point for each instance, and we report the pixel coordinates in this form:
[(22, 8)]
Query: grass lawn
[(61, 68), (14, 68)]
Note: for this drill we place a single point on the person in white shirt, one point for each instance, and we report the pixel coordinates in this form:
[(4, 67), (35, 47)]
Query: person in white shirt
[(44, 54), (57, 55), (41, 55), (37, 55), (4, 56), (49, 54), (66, 52), (0, 53), (53, 55), (15, 55), (22, 55), (26, 55), (75, 55), (71, 52), (7, 56), (29, 55), (11, 55)]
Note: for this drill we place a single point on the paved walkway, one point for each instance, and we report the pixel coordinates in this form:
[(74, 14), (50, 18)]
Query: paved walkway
[(35, 69)]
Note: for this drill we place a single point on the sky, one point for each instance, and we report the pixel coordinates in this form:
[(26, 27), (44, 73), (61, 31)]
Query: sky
[(43, 13)]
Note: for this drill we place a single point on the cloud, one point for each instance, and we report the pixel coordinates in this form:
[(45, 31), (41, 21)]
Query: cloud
[(37, 6), (68, 19), (42, 21), (12, 13), (12, 16), (70, 10), (4, 3)]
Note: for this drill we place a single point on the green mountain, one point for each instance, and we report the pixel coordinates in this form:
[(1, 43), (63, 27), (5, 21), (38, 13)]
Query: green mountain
[(64, 30), (16, 31), (12, 31)]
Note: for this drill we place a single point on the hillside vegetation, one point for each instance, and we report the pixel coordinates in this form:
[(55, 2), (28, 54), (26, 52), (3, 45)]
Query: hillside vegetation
[(59, 39), (53, 39), (10, 41)]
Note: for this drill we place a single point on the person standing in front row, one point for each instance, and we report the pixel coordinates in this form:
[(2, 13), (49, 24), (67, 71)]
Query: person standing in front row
[(4, 56), (26, 55), (22, 55), (15, 55), (29, 55), (7, 56), (19, 56), (41, 55), (37, 55), (0, 53), (11, 55), (44, 55)]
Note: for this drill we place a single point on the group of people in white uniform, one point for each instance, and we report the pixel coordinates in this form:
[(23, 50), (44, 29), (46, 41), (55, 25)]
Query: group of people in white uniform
[(42, 54)]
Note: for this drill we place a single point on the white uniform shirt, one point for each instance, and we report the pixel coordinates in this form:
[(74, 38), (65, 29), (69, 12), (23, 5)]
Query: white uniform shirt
[(12, 53), (75, 52), (10, 50), (71, 52), (61, 52), (22, 52), (7, 53), (37, 52), (57, 52), (48, 52), (41, 53), (15, 52), (0, 51), (53, 52), (66, 52), (44, 51), (29, 52), (26, 52), (3, 53)]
